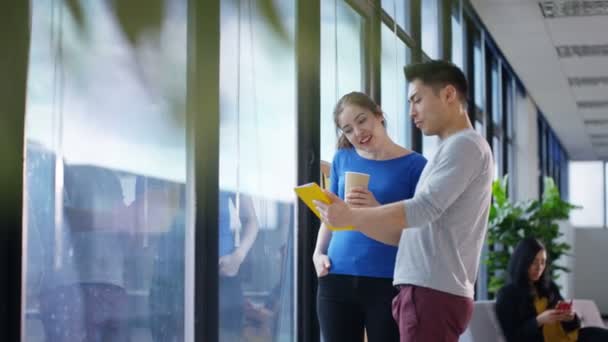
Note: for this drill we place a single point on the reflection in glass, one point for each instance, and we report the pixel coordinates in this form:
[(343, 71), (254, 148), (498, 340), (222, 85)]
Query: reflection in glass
[(105, 173), (257, 174), (341, 64)]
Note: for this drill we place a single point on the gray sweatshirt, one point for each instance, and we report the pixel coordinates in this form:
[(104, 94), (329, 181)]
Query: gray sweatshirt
[(448, 217)]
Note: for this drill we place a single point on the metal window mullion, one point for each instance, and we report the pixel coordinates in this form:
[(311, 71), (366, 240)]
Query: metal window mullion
[(203, 115), (308, 64), (372, 44), (445, 29), (417, 57), (15, 35)]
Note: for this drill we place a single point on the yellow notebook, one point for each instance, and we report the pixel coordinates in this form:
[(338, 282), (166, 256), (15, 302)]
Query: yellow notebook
[(310, 192)]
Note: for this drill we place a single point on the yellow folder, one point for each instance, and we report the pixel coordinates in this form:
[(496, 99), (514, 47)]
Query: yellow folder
[(310, 192)]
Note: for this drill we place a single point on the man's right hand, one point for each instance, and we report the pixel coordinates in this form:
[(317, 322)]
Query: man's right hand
[(322, 264)]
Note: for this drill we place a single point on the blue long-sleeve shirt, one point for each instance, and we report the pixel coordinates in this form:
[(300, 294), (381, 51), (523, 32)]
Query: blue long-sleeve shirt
[(351, 252)]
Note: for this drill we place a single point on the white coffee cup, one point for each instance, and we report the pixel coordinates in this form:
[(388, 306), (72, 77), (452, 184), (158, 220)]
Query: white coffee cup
[(354, 179)]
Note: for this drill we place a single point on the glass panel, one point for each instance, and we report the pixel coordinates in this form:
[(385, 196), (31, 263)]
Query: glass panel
[(341, 64), (395, 55), (106, 173), (430, 28), (498, 155), (509, 112), (257, 174), (479, 74), (399, 10), (496, 94), (509, 102), (457, 35), (564, 178), (551, 144), (583, 177)]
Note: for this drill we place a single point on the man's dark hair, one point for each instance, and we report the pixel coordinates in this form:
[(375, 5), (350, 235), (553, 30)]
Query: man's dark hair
[(438, 74)]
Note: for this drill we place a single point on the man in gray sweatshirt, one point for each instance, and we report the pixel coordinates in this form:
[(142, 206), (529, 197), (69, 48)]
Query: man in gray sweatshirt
[(440, 231)]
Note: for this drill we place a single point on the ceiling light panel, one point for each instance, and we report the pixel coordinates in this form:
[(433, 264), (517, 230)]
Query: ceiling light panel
[(592, 104), (588, 81), (573, 8), (567, 51), (596, 122)]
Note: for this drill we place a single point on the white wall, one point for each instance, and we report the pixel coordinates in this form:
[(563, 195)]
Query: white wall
[(590, 271), (526, 149), (566, 280)]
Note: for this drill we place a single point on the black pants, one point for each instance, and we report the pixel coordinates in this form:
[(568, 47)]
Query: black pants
[(347, 304), (592, 334)]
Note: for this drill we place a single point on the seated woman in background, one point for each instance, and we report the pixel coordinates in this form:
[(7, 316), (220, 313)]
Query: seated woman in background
[(526, 306)]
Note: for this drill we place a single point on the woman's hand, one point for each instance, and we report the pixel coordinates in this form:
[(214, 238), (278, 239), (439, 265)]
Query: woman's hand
[(360, 197), (552, 316), (322, 264), (569, 311)]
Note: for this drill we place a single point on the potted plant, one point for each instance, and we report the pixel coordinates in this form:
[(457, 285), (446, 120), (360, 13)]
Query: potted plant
[(511, 222)]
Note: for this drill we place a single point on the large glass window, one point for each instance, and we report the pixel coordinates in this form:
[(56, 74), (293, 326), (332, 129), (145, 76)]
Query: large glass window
[(342, 59), (395, 55), (105, 175), (257, 174), (430, 28), (585, 178)]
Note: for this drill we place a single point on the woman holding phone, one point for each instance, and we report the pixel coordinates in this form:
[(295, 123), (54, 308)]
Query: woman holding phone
[(530, 307), (355, 272)]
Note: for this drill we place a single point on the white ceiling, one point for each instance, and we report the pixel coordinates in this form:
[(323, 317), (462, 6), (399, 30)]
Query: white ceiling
[(528, 40)]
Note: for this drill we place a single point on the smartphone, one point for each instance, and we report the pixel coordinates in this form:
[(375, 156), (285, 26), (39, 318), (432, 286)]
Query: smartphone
[(564, 306)]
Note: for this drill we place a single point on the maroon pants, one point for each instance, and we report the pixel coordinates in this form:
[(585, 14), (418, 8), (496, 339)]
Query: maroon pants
[(427, 315)]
